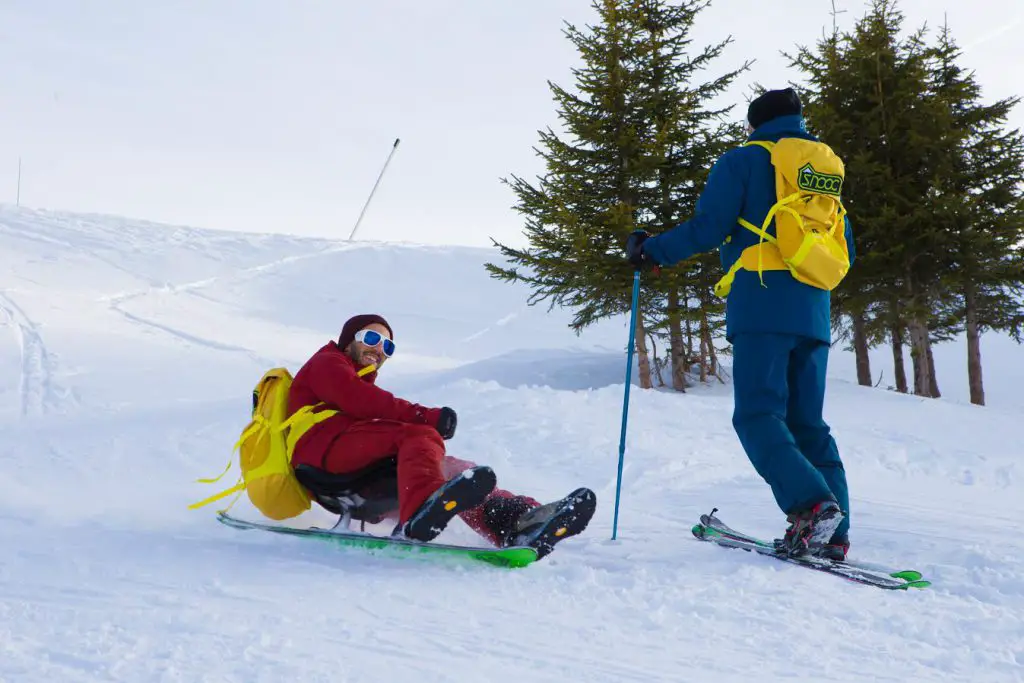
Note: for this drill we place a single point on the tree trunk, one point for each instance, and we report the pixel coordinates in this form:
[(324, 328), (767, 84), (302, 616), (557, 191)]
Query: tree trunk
[(899, 367), (689, 338), (919, 352), (658, 363), (860, 349), (974, 376), (933, 377), (677, 353), (704, 350), (709, 341), (714, 361), (642, 358)]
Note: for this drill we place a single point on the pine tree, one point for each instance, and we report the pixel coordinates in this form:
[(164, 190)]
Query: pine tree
[(635, 155), (831, 98), (982, 206), (580, 212), (869, 99), (683, 138)]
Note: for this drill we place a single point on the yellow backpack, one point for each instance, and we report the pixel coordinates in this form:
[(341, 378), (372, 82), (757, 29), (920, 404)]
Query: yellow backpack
[(810, 233), (265, 450)]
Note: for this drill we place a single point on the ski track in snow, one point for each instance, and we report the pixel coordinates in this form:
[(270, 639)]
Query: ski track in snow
[(191, 338), (39, 394), (118, 302), (504, 320)]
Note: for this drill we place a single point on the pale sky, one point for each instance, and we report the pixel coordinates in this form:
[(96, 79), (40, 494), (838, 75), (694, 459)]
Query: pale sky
[(277, 115)]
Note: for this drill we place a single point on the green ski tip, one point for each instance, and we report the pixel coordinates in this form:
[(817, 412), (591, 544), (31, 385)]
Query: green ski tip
[(512, 558), (908, 575)]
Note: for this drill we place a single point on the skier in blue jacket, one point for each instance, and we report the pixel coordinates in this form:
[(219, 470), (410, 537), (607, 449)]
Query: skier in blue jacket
[(780, 332)]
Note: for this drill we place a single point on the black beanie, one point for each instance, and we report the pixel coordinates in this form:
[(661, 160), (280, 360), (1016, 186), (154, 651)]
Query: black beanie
[(358, 322), (773, 104)]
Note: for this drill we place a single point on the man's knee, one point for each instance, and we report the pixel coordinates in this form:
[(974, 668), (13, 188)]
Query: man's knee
[(757, 421)]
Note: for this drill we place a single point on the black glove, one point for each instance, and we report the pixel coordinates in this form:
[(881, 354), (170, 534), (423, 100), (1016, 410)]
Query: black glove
[(635, 250), (446, 423)]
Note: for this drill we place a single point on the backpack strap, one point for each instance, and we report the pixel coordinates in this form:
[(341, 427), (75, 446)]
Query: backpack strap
[(760, 143), (214, 480), (762, 232), (237, 488), (258, 422)]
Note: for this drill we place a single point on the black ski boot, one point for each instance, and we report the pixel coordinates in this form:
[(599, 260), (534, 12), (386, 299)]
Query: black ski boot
[(501, 514), (463, 491), (809, 530), (515, 523), (836, 549)]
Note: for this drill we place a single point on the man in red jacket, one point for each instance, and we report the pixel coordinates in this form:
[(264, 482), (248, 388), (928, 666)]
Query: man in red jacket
[(373, 424)]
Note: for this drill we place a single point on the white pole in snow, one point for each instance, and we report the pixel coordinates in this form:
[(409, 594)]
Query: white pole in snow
[(17, 201), (363, 212)]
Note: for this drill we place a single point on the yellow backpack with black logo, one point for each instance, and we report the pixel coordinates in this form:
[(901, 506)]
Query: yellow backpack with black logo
[(810, 231), (265, 450)]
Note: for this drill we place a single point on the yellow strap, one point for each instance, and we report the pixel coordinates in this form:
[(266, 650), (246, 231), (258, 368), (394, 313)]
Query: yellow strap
[(298, 431), (257, 423), (245, 435), (762, 232), (232, 503), (239, 487), (304, 410), (840, 215), (219, 476), (804, 250), (723, 286), (757, 231), (367, 370), (810, 240), (760, 143)]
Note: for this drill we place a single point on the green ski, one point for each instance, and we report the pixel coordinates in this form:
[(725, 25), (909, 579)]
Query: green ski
[(514, 557), (714, 530)]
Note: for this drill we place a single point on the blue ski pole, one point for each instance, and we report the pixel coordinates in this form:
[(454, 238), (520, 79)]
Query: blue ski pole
[(625, 400)]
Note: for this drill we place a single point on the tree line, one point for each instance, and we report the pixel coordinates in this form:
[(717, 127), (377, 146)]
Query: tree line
[(934, 188)]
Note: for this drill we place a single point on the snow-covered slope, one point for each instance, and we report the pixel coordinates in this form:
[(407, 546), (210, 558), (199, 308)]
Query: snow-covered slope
[(127, 355)]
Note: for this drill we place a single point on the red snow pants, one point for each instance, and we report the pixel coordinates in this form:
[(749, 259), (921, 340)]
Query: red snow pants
[(422, 464)]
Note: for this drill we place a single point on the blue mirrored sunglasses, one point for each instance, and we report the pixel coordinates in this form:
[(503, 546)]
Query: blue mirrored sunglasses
[(373, 338)]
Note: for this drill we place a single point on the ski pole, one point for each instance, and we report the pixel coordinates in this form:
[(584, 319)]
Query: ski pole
[(363, 212), (625, 400)]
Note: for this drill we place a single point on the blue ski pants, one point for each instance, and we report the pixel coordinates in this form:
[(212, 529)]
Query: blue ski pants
[(779, 384)]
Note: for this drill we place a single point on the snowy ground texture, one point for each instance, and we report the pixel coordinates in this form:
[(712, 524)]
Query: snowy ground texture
[(127, 354)]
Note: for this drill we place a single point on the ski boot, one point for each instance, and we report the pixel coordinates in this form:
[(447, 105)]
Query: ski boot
[(516, 523), (836, 549), (463, 491), (809, 530)]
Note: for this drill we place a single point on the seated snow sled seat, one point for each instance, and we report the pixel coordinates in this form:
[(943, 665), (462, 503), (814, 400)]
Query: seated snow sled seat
[(366, 495)]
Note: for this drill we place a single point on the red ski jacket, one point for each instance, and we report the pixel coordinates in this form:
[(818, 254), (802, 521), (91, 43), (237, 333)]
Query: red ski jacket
[(329, 377)]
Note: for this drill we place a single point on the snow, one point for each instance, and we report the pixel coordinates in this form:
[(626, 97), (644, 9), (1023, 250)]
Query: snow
[(128, 352)]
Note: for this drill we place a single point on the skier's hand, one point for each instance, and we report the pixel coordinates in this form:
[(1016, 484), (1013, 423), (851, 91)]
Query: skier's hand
[(446, 423), (635, 250)]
